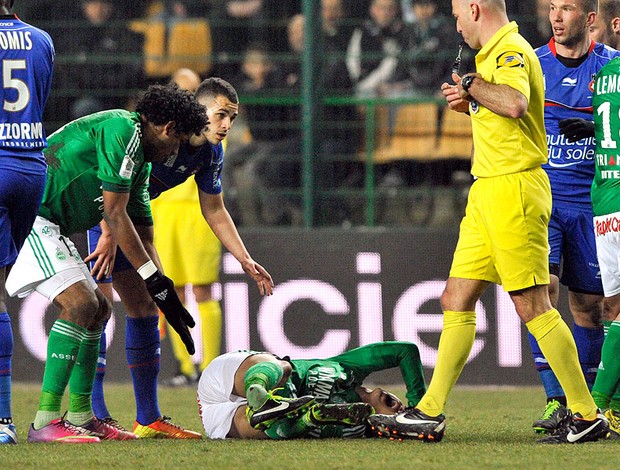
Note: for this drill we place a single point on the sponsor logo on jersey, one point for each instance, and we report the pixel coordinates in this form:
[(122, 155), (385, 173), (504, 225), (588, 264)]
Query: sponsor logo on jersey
[(321, 382), (608, 225), (510, 59), (569, 81), (474, 106)]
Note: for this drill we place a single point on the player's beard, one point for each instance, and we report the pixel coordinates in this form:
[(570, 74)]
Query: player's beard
[(577, 38)]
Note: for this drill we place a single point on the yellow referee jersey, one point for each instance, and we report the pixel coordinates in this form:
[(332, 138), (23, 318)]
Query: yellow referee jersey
[(505, 145)]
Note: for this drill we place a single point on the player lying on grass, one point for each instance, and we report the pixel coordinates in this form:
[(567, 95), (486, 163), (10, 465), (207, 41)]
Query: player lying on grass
[(257, 395)]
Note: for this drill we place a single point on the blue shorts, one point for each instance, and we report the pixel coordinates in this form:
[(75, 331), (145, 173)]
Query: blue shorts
[(121, 263), (20, 199), (572, 246)]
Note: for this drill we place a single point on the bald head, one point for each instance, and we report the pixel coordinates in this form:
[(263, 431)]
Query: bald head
[(186, 79), (499, 5)]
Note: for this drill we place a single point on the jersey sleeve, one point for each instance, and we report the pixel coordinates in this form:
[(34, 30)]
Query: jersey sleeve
[(119, 154), (139, 206), (375, 357), (209, 178), (512, 69)]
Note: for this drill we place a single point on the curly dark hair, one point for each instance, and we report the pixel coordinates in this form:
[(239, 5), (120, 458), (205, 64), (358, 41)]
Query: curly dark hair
[(164, 103)]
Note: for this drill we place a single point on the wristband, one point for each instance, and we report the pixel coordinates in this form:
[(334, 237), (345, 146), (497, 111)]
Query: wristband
[(147, 269)]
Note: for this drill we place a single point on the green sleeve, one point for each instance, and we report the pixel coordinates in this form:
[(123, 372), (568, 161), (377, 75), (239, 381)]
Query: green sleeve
[(119, 153), (375, 357), (139, 206)]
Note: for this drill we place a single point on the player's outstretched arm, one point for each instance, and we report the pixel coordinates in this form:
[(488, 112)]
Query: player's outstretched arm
[(215, 213), (375, 357)]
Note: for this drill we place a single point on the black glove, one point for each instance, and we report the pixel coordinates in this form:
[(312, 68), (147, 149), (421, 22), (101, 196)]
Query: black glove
[(576, 129), (162, 291)]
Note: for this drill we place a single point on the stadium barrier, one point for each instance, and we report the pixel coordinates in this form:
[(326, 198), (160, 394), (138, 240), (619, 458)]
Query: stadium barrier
[(335, 290)]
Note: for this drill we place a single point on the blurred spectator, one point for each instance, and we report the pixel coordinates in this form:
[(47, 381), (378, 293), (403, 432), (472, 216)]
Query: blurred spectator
[(538, 29), (339, 139), (173, 39), (429, 54), (100, 65), (236, 24), (266, 124), (606, 28), (335, 33), (374, 49)]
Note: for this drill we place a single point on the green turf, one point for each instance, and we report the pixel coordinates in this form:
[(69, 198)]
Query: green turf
[(486, 429)]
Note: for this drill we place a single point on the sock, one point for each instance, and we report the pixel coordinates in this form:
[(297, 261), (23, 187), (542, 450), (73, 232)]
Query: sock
[(457, 338), (547, 377), (259, 379), (606, 382), (211, 329), (614, 403), (98, 401), (185, 361), (143, 348), (557, 344), (82, 379), (289, 428), (63, 346), (6, 354), (589, 342)]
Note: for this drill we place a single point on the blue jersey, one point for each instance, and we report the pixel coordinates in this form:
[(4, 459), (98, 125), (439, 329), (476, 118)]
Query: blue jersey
[(27, 58), (204, 162), (568, 94)]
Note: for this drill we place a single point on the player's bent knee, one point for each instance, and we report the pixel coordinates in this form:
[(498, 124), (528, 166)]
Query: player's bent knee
[(78, 305)]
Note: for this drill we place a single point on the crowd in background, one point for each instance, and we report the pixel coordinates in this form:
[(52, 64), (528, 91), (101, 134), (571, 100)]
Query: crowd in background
[(108, 50)]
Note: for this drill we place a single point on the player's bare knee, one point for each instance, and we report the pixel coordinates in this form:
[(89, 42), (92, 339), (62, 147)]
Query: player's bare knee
[(105, 310), (287, 370), (81, 310)]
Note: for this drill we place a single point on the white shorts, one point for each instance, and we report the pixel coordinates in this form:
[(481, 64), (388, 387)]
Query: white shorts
[(48, 263), (607, 233), (216, 403)]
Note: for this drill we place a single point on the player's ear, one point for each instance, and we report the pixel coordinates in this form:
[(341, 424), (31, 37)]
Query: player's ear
[(591, 18), (169, 128), (615, 25)]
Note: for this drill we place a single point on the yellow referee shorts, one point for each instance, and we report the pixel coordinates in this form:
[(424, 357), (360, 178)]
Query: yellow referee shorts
[(503, 236), (189, 250)]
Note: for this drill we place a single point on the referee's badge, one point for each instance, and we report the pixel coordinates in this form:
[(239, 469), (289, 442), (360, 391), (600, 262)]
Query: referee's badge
[(474, 106), (510, 59)]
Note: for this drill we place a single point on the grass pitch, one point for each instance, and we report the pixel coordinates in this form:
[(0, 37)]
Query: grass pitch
[(486, 428)]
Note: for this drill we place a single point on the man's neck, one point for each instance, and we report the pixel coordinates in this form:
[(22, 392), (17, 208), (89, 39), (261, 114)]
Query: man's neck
[(576, 51), (491, 26)]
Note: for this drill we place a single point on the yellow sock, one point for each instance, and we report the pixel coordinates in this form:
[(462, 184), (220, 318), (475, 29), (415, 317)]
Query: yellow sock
[(457, 338), (557, 344), (211, 321), (186, 363)]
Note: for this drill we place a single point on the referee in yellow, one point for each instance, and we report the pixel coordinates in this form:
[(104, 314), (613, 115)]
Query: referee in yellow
[(503, 236)]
